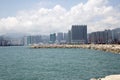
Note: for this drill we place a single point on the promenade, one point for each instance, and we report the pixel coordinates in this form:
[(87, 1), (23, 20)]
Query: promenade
[(114, 48)]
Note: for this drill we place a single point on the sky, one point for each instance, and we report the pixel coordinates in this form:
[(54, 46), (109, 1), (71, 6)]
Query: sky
[(49, 16)]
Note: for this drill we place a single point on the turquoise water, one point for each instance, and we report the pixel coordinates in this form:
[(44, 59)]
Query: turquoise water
[(22, 63)]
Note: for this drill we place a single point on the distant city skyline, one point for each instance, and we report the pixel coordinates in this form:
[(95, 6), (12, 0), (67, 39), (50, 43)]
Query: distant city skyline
[(51, 16), (77, 35)]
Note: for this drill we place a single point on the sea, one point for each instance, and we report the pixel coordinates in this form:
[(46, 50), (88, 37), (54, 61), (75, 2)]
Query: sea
[(24, 63)]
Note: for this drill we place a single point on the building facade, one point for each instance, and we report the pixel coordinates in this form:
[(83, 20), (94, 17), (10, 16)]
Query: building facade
[(69, 37), (60, 37), (104, 37), (52, 38), (79, 34)]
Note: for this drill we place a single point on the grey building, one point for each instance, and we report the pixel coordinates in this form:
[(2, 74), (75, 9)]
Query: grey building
[(65, 37), (69, 37), (34, 39), (45, 39), (108, 36), (29, 40), (101, 37), (60, 37), (4, 41), (116, 35), (79, 34), (52, 38)]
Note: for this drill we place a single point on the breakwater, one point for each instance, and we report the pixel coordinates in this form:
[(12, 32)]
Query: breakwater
[(114, 48), (110, 77)]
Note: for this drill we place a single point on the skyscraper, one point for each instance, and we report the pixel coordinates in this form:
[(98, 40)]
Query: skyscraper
[(79, 33)]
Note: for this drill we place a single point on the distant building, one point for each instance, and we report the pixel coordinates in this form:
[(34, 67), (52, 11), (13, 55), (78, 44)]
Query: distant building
[(16, 42), (60, 37), (29, 40), (25, 40), (108, 36), (119, 37), (35, 39), (116, 35), (65, 37), (52, 38), (4, 41), (1, 40), (45, 39), (79, 34), (101, 37), (69, 37)]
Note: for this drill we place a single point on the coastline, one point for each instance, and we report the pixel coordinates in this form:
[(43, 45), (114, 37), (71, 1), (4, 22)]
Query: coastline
[(114, 48)]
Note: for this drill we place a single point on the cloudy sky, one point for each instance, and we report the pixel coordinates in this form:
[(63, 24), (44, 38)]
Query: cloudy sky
[(49, 16)]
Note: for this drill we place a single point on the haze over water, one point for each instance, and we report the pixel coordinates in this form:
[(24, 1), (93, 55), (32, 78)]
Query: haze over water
[(22, 63)]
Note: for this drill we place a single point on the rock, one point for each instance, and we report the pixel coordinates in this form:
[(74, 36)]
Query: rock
[(93, 79), (110, 77)]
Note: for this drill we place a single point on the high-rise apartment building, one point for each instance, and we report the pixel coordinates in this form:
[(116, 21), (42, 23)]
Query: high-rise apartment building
[(60, 37), (79, 34), (52, 38), (103, 37), (65, 37), (69, 37), (116, 35)]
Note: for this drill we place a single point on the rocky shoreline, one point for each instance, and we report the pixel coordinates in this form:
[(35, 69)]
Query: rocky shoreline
[(110, 77), (114, 48)]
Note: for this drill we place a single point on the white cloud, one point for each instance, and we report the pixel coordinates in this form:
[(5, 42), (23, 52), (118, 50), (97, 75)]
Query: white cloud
[(95, 13)]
